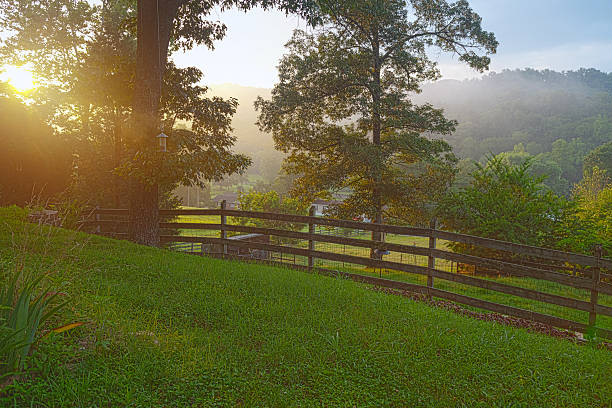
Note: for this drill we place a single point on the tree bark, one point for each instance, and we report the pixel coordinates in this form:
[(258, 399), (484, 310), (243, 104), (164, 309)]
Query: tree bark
[(376, 130), (155, 19)]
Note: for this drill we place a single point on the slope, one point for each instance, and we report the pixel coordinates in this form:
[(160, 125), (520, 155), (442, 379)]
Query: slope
[(168, 329)]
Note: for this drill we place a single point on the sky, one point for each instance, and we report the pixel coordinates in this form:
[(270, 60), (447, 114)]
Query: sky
[(555, 34)]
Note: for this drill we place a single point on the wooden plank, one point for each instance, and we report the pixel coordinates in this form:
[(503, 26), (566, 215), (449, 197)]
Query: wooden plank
[(392, 229), (522, 292), (517, 269), (223, 231), (364, 243), (526, 250), (431, 260), (502, 266), (544, 253), (104, 222), (198, 211), (517, 312), (594, 292), (111, 211), (510, 268), (303, 252), (311, 231), (549, 266)]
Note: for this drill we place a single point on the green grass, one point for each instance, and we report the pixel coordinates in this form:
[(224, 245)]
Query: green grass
[(485, 294), (174, 330)]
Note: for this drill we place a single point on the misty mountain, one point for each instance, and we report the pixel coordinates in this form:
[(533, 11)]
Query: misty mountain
[(535, 108), (250, 139)]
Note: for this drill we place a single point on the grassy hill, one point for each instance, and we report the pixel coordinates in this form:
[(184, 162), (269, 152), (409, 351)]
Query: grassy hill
[(174, 330)]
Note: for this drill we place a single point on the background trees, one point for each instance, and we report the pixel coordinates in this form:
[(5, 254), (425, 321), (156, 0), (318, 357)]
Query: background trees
[(342, 110), (34, 160), (600, 157), (505, 201), (271, 201), (85, 59), (534, 107)]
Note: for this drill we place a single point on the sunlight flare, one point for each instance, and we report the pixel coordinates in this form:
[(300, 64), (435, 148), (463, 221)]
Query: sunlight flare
[(19, 77)]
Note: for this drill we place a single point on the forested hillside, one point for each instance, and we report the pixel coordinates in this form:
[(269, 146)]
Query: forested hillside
[(532, 107), (555, 119)]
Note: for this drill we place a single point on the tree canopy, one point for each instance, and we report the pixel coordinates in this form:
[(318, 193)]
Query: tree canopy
[(342, 109), (85, 58)]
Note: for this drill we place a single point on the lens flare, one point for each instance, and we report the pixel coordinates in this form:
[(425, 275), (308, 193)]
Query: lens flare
[(20, 78)]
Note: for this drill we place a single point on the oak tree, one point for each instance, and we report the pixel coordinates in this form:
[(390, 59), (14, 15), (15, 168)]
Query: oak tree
[(163, 26)]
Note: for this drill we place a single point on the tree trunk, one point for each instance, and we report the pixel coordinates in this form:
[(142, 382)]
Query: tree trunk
[(155, 19), (376, 130), (117, 160)]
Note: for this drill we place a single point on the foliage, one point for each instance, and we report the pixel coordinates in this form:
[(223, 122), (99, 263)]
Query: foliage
[(28, 295), (342, 109), (87, 84), (590, 221), (600, 157), (271, 201), (34, 159), (24, 308), (503, 202), (540, 166), (245, 334)]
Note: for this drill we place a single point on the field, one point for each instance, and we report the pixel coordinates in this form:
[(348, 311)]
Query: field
[(175, 330)]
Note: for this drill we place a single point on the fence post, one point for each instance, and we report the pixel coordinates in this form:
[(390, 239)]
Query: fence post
[(98, 227), (431, 261), (223, 222), (311, 243), (594, 291)]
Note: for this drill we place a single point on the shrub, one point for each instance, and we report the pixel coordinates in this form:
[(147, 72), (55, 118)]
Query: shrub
[(504, 202)]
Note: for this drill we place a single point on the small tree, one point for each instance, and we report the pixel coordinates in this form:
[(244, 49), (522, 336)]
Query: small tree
[(274, 203), (600, 157), (503, 201), (590, 221)]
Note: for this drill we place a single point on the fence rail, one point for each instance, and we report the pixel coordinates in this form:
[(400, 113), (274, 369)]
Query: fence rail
[(524, 261)]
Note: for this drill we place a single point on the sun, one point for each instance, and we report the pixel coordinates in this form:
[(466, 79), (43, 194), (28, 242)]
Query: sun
[(20, 77)]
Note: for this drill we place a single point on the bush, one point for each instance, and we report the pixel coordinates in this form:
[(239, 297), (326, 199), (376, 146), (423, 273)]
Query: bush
[(504, 202), (590, 221), (271, 202)]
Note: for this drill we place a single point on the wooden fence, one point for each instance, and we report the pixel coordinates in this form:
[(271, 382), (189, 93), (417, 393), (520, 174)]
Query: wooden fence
[(589, 274)]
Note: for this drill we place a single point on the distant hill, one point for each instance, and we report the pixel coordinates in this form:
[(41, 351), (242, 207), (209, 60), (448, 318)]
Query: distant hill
[(531, 107), (258, 145), (249, 137)]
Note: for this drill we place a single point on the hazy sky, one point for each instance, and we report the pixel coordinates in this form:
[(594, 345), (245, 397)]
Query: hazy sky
[(555, 34)]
